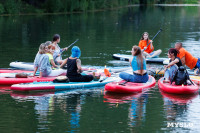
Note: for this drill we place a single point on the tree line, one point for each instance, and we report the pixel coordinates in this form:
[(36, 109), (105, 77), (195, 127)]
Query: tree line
[(57, 6)]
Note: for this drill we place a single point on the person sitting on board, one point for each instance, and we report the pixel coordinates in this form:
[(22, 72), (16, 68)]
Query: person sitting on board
[(45, 66), (74, 67), (58, 51), (41, 51), (148, 51), (173, 65), (138, 64), (187, 58), (39, 54), (50, 52)]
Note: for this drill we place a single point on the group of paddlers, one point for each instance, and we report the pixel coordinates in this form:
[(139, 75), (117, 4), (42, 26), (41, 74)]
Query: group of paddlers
[(178, 57), (49, 57)]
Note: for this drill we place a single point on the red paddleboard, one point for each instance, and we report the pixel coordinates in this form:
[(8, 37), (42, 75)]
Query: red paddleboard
[(14, 71), (130, 87), (177, 89), (10, 81)]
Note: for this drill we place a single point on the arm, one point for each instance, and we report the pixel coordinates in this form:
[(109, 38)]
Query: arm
[(35, 70), (40, 74), (183, 60), (64, 62), (130, 60), (172, 63), (78, 61), (151, 45), (141, 46), (53, 63)]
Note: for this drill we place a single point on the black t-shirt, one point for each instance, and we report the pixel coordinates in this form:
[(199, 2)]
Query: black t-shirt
[(179, 63)]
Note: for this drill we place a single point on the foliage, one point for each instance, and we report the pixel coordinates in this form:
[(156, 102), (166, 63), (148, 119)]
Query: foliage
[(56, 6)]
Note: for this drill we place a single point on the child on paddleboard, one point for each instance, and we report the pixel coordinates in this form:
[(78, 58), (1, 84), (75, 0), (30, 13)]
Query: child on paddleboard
[(50, 52)]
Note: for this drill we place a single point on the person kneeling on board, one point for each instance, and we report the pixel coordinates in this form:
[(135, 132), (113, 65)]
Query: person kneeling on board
[(74, 67), (138, 64)]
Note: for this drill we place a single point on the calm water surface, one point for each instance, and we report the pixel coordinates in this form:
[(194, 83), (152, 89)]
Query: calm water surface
[(100, 34)]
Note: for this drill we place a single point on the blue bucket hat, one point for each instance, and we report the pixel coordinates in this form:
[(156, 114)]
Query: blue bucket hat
[(76, 52)]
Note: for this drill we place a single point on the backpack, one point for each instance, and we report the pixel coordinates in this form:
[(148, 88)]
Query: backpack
[(181, 76)]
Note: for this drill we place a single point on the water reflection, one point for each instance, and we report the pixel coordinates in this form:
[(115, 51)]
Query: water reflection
[(62, 106), (137, 107), (177, 109)]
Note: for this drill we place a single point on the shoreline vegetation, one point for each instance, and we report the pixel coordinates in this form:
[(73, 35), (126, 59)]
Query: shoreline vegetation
[(53, 7)]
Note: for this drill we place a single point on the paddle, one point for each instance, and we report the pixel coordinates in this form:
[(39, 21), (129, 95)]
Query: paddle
[(159, 71), (124, 83), (70, 45), (153, 38)]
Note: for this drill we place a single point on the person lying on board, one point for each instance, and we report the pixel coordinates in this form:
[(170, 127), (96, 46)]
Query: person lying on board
[(74, 67), (173, 65), (187, 58), (57, 53), (147, 47), (138, 64)]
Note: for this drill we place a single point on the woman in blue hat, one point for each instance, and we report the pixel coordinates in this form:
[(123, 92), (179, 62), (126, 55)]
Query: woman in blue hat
[(74, 67)]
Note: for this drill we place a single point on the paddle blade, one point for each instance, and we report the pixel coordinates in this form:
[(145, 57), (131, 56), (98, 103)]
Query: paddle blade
[(107, 73)]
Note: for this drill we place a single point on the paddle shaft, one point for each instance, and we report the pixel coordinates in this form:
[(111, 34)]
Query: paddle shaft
[(70, 45), (153, 38)]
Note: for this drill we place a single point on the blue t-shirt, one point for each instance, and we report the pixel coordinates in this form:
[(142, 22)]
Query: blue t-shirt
[(135, 66)]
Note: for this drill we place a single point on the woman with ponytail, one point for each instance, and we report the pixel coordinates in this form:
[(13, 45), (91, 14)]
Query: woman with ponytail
[(138, 65)]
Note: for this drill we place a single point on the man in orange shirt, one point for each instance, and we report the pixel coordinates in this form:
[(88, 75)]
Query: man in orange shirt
[(148, 50), (186, 58)]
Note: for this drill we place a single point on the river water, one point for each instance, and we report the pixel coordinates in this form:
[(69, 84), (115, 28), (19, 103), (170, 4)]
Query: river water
[(100, 35)]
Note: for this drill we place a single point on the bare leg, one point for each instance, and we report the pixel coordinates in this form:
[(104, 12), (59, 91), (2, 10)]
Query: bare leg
[(145, 54), (156, 53)]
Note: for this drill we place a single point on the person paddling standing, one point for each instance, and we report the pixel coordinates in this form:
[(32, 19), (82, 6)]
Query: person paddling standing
[(148, 50), (57, 53), (172, 67), (138, 64)]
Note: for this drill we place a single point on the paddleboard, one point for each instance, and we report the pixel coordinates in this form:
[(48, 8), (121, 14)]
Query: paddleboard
[(177, 89), (124, 57), (130, 87), (30, 67), (195, 79), (10, 81), (60, 86)]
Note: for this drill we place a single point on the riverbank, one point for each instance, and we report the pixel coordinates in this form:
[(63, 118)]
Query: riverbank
[(99, 10)]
